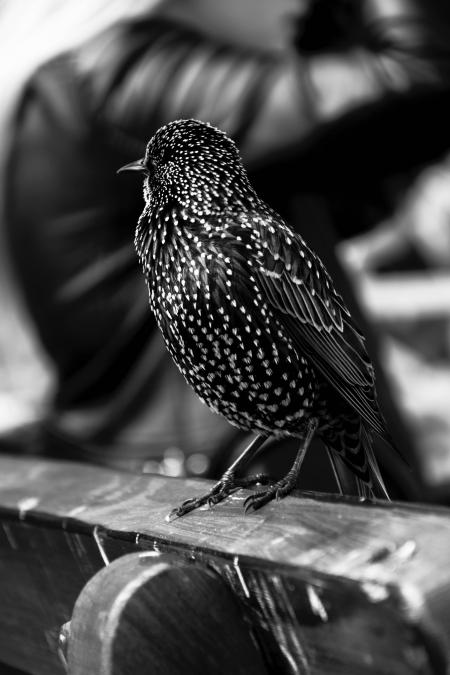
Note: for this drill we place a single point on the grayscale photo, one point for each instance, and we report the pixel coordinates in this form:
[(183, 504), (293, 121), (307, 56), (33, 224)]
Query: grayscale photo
[(225, 337)]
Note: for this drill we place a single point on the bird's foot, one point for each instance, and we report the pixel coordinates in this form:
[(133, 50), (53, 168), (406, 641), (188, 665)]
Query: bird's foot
[(277, 491), (222, 489)]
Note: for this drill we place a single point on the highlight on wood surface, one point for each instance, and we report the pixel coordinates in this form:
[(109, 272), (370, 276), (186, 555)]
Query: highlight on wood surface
[(89, 569)]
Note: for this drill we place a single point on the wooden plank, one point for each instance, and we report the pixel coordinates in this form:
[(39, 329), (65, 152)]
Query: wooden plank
[(330, 585)]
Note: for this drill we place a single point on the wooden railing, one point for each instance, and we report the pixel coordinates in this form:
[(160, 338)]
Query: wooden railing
[(94, 581)]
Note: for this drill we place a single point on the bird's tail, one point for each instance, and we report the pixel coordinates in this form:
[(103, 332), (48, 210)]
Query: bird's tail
[(376, 486), (355, 466)]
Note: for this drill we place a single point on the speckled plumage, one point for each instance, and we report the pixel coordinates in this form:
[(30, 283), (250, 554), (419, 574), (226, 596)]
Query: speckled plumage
[(247, 310)]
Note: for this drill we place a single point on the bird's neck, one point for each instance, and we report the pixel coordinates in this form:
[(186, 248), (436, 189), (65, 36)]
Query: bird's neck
[(174, 217), (200, 191)]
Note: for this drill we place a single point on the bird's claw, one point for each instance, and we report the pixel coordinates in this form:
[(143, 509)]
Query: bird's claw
[(256, 501), (187, 506), (217, 497), (259, 499), (218, 492), (222, 489)]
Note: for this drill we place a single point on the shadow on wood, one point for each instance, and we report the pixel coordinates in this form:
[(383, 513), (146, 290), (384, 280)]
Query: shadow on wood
[(147, 614)]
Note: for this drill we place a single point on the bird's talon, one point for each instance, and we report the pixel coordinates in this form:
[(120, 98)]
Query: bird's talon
[(218, 492), (248, 505), (173, 515), (247, 501), (186, 504), (254, 505)]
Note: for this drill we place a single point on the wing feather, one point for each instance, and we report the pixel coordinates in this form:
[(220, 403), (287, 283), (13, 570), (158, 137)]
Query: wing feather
[(298, 287)]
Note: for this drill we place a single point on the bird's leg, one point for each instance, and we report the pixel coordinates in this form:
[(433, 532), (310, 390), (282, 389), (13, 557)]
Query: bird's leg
[(284, 486), (227, 483)]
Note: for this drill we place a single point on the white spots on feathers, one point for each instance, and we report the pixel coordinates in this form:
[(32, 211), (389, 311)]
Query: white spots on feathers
[(219, 265)]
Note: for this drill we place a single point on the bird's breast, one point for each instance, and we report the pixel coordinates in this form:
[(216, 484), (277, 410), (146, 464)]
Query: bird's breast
[(232, 351)]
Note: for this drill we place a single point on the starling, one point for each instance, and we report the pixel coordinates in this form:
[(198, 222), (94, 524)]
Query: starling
[(249, 313)]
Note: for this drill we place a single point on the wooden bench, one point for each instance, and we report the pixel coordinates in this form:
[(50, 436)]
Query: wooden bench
[(94, 580)]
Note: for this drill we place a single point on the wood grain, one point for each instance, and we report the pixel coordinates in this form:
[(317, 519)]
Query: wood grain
[(329, 585)]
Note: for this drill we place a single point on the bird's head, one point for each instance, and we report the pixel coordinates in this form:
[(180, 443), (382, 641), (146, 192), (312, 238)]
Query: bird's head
[(192, 164)]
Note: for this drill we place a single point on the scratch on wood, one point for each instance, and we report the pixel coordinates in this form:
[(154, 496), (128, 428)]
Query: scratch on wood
[(101, 550), (316, 604), (289, 658), (62, 644), (295, 648), (406, 551), (376, 592), (400, 554), (10, 537), (240, 576), (380, 554), (237, 496), (77, 510), (271, 601), (26, 504), (413, 601)]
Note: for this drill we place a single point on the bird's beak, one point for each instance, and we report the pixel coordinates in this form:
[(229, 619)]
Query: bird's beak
[(137, 165)]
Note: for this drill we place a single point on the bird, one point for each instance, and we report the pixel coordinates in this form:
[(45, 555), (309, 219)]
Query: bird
[(251, 316)]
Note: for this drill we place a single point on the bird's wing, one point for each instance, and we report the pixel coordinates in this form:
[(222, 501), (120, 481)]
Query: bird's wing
[(297, 286)]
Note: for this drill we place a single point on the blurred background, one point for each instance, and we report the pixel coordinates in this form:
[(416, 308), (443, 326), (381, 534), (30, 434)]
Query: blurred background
[(340, 109)]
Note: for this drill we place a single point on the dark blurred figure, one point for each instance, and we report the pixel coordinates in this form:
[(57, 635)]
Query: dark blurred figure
[(327, 101)]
